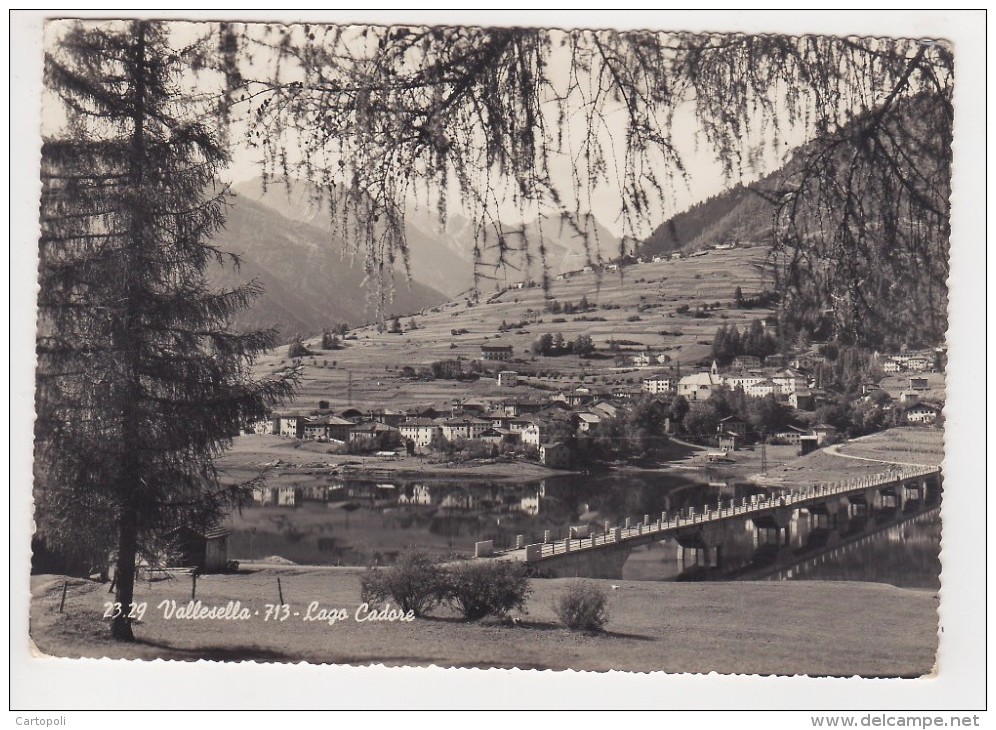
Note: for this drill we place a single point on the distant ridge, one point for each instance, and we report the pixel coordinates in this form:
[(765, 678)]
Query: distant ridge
[(309, 283)]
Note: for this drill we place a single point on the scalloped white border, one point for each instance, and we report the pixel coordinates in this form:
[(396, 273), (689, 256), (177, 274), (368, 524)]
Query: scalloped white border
[(51, 684)]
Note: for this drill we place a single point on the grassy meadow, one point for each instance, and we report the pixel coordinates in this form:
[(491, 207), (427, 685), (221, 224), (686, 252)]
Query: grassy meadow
[(787, 628)]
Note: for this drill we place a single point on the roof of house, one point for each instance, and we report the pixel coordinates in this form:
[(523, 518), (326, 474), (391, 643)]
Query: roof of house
[(705, 378), (372, 427), (466, 421), (210, 534), (423, 422)]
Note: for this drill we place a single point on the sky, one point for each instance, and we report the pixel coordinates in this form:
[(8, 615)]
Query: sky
[(705, 176)]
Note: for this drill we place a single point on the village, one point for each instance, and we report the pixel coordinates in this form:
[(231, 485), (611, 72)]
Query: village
[(557, 427)]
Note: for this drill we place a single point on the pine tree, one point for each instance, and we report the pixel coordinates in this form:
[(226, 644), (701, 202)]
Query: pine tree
[(141, 383)]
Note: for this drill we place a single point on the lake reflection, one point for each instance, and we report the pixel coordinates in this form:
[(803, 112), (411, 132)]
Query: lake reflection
[(353, 522)]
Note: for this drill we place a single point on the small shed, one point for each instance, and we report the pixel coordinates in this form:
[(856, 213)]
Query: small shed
[(807, 445), (205, 550), (825, 434)]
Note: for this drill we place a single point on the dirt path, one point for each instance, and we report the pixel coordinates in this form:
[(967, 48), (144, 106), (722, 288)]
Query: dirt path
[(835, 451)]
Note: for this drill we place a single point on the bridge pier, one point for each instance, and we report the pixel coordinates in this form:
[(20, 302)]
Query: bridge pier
[(705, 556), (773, 528)]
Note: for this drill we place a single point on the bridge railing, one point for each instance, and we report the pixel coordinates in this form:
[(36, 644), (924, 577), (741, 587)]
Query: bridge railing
[(691, 516)]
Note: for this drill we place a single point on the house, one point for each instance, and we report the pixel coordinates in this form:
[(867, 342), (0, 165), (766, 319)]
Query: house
[(427, 412), (605, 409), (476, 407), (909, 397), (498, 418), (743, 362), (577, 397), (761, 389), (676, 255), (264, 426), (659, 384), (420, 431), (354, 415), (642, 359), (741, 381), (315, 429), (775, 361), (919, 384), (808, 361), (555, 455), (494, 436), (327, 428), (464, 427), (508, 379), (520, 407), (728, 441), (205, 550), (802, 399), (532, 434), (920, 363), (588, 422), (627, 392), (699, 386), (734, 425), (789, 380), (790, 435), (389, 417), (825, 434), (921, 413), (291, 425), (891, 365), (369, 430), (496, 352)]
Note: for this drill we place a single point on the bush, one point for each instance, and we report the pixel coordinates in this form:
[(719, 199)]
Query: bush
[(582, 607), (480, 588), (415, 583)]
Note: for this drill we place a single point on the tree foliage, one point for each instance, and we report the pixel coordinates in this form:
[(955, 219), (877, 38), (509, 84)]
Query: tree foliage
[(378, 116), (140, 382)]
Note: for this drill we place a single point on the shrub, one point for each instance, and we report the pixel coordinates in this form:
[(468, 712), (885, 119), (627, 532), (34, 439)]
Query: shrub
[(582, 606), (480, 588), (297, 349), (415, 583)]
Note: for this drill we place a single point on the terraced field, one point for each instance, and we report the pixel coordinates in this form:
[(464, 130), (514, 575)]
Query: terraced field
[(638, 309)]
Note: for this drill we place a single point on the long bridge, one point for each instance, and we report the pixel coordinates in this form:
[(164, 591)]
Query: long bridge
[(601, 554)]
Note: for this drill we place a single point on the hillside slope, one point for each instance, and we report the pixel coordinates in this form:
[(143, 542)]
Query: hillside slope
[(643, 309), (739, 215), (443, 257), (308, 282)]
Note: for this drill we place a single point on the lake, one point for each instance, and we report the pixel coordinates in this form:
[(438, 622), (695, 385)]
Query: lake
[(357, 522)]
